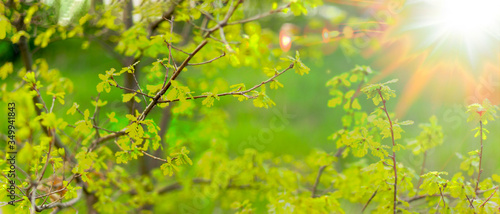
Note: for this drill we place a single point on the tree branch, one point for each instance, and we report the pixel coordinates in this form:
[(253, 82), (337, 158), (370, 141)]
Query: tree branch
[(480, 155), (108, 137), (369, 200), (176, 48), (482, 205), (166, 15), (95, 115), (393, 153), (318, 177), (277, 10), (442, 199), (153, 103), (422, 171), (224, 21), (61, 205), (209, 61), (243, 93), (133, 90)]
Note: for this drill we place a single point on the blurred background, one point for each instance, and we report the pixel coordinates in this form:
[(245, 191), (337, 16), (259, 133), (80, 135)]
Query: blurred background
[(444, 53)]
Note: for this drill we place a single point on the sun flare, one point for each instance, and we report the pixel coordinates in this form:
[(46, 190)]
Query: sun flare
[(461, 27), (469, 19)]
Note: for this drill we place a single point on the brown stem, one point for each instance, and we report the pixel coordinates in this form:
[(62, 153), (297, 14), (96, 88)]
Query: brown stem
[(422, 171), (223, 23), (60, 204), (155, 100), (279, 9), (369, 200), (480, 155), (209, 61), (482, 205), (442, 199), (166, 15), (393, 153), (95, 116), (470, 202), (48, 156), (134, 90), (416, 198), (139, 87), (243, 93), (318, 178)]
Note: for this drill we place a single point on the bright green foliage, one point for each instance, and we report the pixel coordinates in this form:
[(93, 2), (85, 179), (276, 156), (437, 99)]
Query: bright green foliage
[(378, 91), (5, 70), (358, 74), (96, 148), (372, 179), (128, 160), (484, 112), (433, 183)]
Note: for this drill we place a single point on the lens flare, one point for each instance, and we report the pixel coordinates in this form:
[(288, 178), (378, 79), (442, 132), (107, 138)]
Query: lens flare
[(461, 27), (285, 42), (324, 34), (470, 19), (287, 33)]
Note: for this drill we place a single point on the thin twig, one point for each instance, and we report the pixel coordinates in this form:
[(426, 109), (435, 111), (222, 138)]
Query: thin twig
[(441, 199), (108, 137), (51, 184), (482, 205), (229, 42), (318, 178), (369, 200), (144, 152), (209, 61), (279, 9), (421, 171), (135, 91), (480, 155), (138, 86), (94, 116), (470, 202), (223, 38), (48, 156), (176, 48), (153, 26), (61, 204), (169, 43), (206, 14), (170, 57), (154, 157), (243, 93), (393, 152), (225, 20), (155, 100), (53, 102), (40, 98)]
